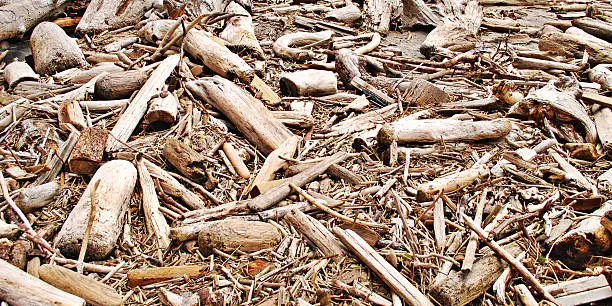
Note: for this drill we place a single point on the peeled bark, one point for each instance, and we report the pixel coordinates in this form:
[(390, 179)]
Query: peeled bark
[(18, 17), (229, 235), (112, 14), (117, 180), (53, 50)]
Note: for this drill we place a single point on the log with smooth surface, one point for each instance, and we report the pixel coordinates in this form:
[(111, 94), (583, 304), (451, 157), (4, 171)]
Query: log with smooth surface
[(231, 234), (53, 50), (309, 82)]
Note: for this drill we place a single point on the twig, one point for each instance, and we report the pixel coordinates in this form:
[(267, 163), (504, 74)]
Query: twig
[(92, 216)]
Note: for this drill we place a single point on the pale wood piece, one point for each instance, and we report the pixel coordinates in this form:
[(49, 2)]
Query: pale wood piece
[(294, 119), (186, 160), (602, 75), (231, 234), (163, 109), (93, 291), (348, 14), (70, 113), (596, 27), (309, 82), (18, 17), (156, 30), (238, 31), (217, 57), (470, 250), (15, 110), (541, 64), (589, 238), (82, 76), (363, 292), (117, 180), (18, 71), (120, 85), (460, 288), (317, 233), (525, 295), (88, 152), (394, 279), (143, 277), (57, 162), (9, 231), (278, 193), (571, 172), (169, 298), (112, 14), (448, 130), (451, 182), (334, 170), (573, 45), (129, 120), (104, 106), (32, 198), (248, 114), (287, 45), (274, 162), (236, 161), (53, 50), (154, 219), (602, 117), (423, 93), (264, 92), (364, 121), (378, 14), (416, 12), (581, 290), (20, 288), (173, 187)]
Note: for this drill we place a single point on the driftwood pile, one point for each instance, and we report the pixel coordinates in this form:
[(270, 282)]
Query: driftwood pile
[(380, 152)]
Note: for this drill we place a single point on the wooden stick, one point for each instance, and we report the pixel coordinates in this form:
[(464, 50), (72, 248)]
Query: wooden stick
[(506, 256), (90, 220), (382, 268), (317, 233), (273, 162), (236, 160), (155, 221)]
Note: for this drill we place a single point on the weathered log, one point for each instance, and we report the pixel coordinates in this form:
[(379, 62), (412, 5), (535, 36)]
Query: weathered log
[(419, 92), (171, 186), (588, 239), (378, 14), (10, 231), (238, 31), (348, 14), (364, 121), (119, 85), (309, 82), (116, 181), (154, 31), (287, 45), (450, 183), (20, 288), (129, 120), (112, 14), (596, 27), (32, 198), (18, 71), (248, 114), (602, 75), (18, 17), (572, 45), (163, 109), (143, 277), (417, 13), (88, 152), (317, 233), (53, 50), (602, 117), (94, 292), (81, 76), (155, 221), (448, 130), (217, 57), (70, 113), (294, 119), (229, 235), (186, 160)]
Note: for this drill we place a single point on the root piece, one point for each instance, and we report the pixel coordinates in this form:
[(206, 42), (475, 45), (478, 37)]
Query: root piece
[(287, 45)]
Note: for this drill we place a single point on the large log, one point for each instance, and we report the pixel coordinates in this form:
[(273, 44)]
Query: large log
[(217, 57), (94, 292), (449, 130), (53, 50), (378, 14), (116, 179), (594, 27), (112, 14), (120, 85), (20, 288), (229, 235), (248, 114), (573, 45), (18, 17)]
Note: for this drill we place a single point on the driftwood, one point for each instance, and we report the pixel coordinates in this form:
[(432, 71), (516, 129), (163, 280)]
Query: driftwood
[(82, 76), (573, 45), (112, 14), (173, 187), (163, 109), (309, 82), (18, 17), (378, 14), (236, 161), (217, 57), (450, 183), (116, 181), (88, 152), (56, 164), (274, 162), (294, 119), (229, 235), (32, 198), (581, 290), (602, 75), (349, 14), (187, 161), (419, 92), (155, 221), (248, 114), (287, 45), (119, 85), (94, 292), (602, 117), (594, 27), (53, 50), (143, 277), (317, 233), (449, 130), (238, 31), (417, 13), (588, 239), (71, 115), (20, 288), (169, 298), (18, 71)]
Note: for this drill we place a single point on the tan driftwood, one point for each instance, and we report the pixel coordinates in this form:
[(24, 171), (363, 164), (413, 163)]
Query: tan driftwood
[(163, 109), (187, 161), (349, 14), (18, 71), (581, 290), (142, 277), (309, 82), (104, 106), (119, 85), (86, 157), (32, 198), (82, 76), (173, 187), (594, 27), (229, 235), (287, 46), (274, 162), (248, 114), (236, 160), (435, 130), (169, 298), (155, 221), (116, 179), (70, 113), (294, 119), (602, 75), (94, 292), (18, 17), (112, 14), (217, 57), (574, 45), (156, 30), (238, 31), (417, 13), (419, 92), (20, 288), (53, 50), (451, 182), (316, 232), (56, 164)]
